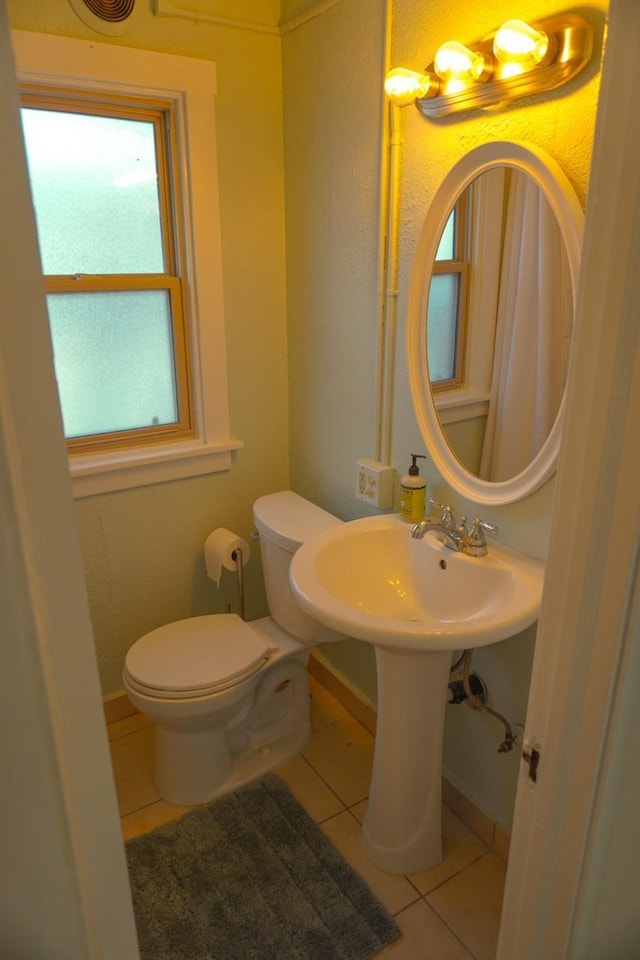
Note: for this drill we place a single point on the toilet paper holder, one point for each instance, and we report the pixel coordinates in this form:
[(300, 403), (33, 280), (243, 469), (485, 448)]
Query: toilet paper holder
[(224, 550), (239, 561)]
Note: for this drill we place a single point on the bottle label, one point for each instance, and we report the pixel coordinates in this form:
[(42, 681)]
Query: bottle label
[(412, 502)]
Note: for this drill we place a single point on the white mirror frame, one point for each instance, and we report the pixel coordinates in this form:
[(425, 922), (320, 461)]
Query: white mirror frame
[(565, 204)]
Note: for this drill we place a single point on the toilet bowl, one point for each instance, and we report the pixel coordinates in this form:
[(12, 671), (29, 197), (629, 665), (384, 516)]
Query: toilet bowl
[(230, 698)]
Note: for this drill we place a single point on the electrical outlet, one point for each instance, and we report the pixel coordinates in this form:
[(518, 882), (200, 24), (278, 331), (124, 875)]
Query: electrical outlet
[(374, 483)]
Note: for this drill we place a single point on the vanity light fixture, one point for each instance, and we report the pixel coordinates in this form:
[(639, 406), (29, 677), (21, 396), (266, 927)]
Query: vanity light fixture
[(519, 42), (454, 61), (404, 86), (518, 60)]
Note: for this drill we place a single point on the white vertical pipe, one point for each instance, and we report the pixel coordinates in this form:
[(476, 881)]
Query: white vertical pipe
[(391, 278), (379, 432)]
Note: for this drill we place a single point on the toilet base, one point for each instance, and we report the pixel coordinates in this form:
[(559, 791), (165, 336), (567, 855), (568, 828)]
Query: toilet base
[(190, 784), (202, 754)]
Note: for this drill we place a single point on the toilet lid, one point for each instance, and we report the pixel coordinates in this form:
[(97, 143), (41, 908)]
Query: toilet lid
[(194, 657)]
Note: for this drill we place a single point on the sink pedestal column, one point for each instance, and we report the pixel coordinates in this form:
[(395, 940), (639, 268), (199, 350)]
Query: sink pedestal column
[(402, 830)]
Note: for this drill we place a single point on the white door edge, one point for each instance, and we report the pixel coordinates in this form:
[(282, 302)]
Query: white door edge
[(584, 633)]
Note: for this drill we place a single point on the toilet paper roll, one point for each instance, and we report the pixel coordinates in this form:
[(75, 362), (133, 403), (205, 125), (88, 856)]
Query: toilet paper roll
[(218, 552)]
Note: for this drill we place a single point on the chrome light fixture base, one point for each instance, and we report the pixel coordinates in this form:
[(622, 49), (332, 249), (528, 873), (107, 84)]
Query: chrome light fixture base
[(570, 49)]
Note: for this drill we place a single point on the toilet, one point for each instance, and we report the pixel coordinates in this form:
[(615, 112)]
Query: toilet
[(230, 698)]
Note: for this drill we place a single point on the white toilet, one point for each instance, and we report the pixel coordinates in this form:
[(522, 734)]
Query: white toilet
[(230, 699)]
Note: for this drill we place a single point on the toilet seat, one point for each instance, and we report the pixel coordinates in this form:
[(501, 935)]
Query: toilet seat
[(195, 657)]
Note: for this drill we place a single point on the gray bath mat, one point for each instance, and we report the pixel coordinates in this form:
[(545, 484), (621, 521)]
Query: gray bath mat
[(251, 877)]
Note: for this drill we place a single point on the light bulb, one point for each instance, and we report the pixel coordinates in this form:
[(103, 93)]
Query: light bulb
[(454, 61), (517, 42), (403, 86)]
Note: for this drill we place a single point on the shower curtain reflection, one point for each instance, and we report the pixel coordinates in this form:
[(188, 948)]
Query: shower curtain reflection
[(533, 332)]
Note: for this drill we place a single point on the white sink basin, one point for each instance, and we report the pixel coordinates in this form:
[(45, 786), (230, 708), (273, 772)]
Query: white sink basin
[(417, 601), (370, 579)]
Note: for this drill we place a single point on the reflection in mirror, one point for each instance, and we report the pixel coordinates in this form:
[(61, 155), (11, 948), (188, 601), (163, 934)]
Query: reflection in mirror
[(504, 234), (446, 311)]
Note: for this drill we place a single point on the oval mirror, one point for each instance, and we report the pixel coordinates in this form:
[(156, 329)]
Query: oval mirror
[(517, 287)]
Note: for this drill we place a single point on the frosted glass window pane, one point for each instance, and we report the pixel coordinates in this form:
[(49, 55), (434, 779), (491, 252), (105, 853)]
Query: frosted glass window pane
[(113, 355), (446, 247), (94, 181), (442, 324)]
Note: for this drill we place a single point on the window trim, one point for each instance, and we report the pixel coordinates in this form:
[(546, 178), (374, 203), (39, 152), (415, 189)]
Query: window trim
[(163, 433), (172, 280), (471, 398), (458, 265), (189, 85)]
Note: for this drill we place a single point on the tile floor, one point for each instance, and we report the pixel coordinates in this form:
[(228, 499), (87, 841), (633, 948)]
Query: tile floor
[(450, 912)]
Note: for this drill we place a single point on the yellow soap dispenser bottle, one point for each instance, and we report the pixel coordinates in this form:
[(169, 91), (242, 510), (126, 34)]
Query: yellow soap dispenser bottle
[(413, 492)]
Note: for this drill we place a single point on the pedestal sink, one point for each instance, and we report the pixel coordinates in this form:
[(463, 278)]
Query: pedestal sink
[(417, 601)]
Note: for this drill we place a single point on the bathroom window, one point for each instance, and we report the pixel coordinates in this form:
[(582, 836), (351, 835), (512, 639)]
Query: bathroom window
[(446, 310), (120, 144), (104, 194)]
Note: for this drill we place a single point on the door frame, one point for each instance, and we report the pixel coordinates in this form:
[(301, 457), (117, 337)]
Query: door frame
[(64, 888)]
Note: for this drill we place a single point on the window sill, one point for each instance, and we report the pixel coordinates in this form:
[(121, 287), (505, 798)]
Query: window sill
[(123, 469), (455, 405)]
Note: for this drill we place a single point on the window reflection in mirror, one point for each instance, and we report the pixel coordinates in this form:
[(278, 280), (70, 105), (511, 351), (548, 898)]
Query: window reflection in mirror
[(447, 307)]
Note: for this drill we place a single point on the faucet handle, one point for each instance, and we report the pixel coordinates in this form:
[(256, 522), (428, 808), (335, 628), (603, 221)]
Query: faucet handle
[(479, 526), (476, 543), (446, 517)]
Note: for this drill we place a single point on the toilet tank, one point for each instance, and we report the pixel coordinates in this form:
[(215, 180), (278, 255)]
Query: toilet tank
[(285, 521)]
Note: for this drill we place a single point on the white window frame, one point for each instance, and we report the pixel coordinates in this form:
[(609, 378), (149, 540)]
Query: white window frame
[(458, 265), (470, 398), (190, 85)]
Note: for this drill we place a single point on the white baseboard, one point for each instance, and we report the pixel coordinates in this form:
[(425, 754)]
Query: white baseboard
[(117, 706)]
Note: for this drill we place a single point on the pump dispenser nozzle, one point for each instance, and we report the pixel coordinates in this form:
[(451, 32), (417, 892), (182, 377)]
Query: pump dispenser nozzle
[(413, 469)]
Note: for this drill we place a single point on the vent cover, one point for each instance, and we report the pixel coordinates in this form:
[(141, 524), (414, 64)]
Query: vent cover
[(111, 17), (113, 11)]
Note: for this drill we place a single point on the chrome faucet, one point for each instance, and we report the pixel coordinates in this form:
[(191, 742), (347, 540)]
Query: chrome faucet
[(455, 536), (448, 537)]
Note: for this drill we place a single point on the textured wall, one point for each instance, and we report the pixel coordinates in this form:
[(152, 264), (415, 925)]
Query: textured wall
[(332, 74), (331, 68), (142, 548), (331, 277), (562, 123)]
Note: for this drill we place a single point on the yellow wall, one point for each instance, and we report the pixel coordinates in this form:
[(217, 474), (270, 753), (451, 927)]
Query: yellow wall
[(562, 123), (143, 548), (332, 140)]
